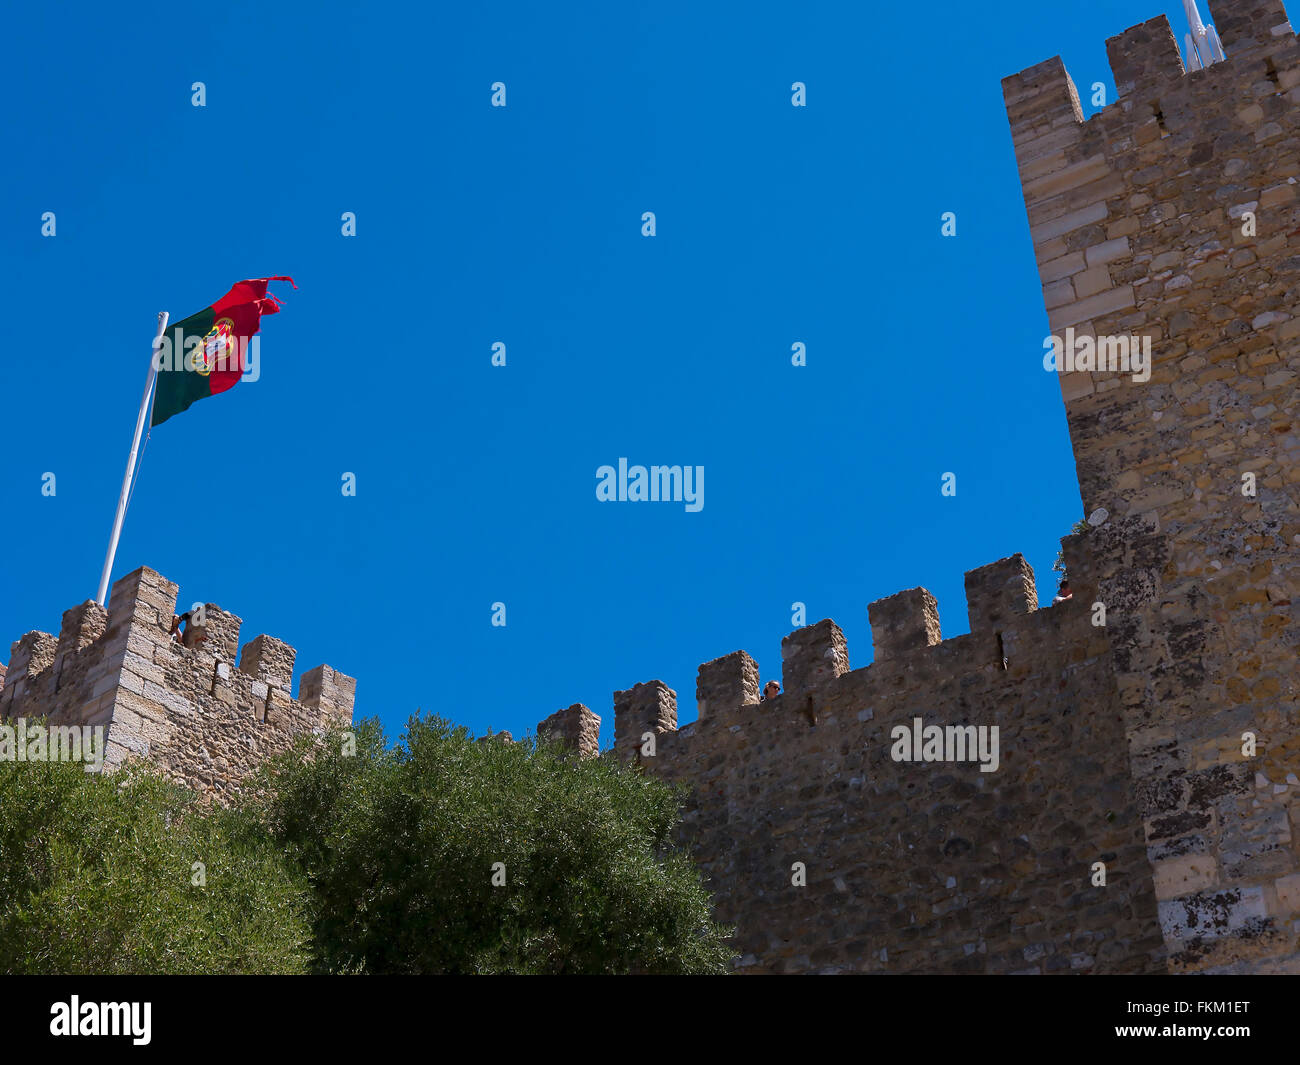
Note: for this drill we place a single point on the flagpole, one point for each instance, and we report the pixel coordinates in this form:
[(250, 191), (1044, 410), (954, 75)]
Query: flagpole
[(130, 462)]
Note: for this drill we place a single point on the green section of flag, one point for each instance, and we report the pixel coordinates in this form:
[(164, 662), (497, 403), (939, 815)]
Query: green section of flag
[(178, 385)]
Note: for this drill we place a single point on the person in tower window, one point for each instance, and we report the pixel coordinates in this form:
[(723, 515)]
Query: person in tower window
[(771, 691), (189, 637), (1063, 593)]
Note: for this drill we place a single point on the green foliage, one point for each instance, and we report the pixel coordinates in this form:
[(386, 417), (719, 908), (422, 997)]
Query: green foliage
[(378, 860), (399, 845), (96, 876), (1059, 565)]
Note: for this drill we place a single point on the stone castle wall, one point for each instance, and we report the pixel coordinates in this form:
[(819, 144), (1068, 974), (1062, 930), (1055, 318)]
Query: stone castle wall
[(916, 866), (205, 720), (1124, 743), (1139, 222)]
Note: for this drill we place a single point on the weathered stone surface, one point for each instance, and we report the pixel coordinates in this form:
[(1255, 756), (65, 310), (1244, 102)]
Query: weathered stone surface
[(1198, 574), (726, 682), (906, 621), (812, 656), (269, 660), (922, 867), (650, 707), (205, 724), (575, 727)]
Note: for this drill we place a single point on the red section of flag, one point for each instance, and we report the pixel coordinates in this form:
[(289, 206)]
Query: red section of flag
[(244, 305)]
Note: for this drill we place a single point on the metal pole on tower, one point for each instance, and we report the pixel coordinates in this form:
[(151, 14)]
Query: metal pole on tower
[(120, 516)]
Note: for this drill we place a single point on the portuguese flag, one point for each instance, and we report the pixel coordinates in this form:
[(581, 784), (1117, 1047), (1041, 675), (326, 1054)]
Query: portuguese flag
[(207, 352)]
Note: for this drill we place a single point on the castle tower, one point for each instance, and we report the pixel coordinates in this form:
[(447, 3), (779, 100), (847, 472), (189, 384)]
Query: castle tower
[(1172, 217), (205, 721)]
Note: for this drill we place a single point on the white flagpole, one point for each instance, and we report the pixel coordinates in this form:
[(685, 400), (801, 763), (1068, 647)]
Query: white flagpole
[(130, 462)]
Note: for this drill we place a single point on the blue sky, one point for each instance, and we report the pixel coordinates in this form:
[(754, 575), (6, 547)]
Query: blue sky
[(475, 224)]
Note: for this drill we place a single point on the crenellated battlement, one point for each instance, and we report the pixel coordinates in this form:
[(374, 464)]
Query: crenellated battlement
[(1117, 200), (1145, 58), (947, 853), (192, 709), (1002, 605), (1147, 65)]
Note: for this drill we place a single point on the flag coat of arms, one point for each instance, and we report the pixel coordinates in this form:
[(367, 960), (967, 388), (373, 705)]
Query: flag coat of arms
[(207, 352)]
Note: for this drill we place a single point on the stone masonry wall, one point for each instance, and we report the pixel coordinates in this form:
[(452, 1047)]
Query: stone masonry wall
[(915, 866), (204, 720), (1173, 214)]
